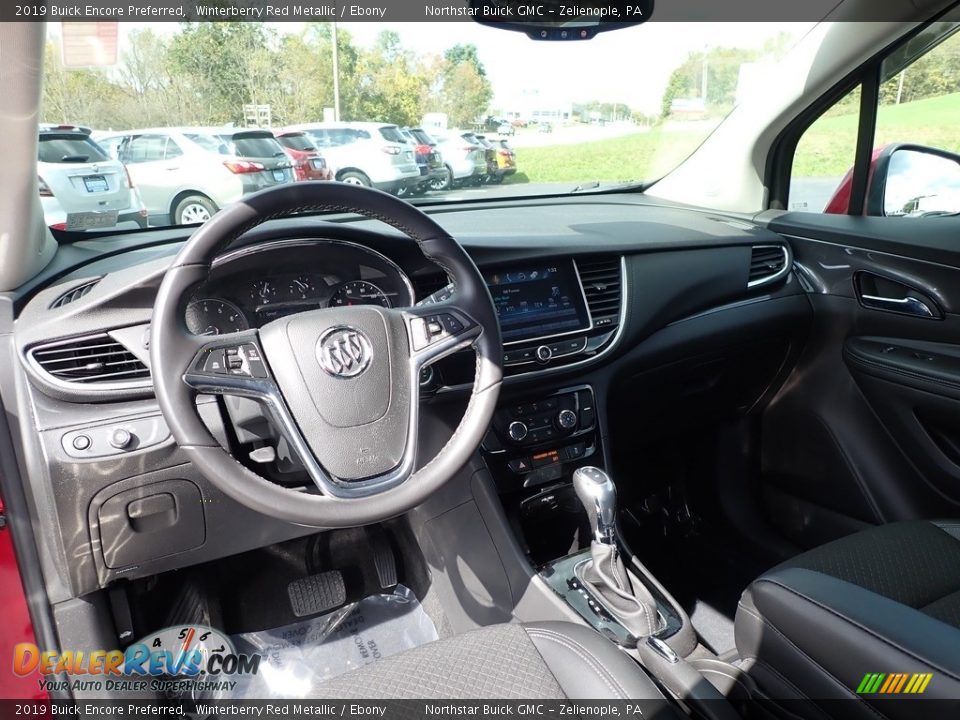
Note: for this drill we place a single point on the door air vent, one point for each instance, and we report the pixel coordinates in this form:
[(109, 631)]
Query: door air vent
[(96, 360), (74, 294), (768, 263), (603, 288)]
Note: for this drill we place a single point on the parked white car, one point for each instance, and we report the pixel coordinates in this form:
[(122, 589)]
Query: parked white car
[(366, 153), (465, 161), (81, 187), (188, 174)]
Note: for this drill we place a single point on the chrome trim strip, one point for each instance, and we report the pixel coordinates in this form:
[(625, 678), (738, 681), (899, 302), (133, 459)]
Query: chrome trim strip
[(780, 274)]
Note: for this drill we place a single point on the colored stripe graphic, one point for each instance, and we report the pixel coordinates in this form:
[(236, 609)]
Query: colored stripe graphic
[(894, 683)]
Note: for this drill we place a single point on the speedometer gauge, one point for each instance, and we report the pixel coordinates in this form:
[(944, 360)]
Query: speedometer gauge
[(211, 316), (359, 292)]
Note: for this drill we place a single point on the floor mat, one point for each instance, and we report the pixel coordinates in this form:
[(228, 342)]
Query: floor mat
[(300, 656)]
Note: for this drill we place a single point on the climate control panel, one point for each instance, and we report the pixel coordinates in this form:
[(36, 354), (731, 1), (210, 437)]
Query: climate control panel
[(535, 439)]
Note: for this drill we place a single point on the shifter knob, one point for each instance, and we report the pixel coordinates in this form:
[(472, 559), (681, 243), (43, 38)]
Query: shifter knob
[(598, 495)]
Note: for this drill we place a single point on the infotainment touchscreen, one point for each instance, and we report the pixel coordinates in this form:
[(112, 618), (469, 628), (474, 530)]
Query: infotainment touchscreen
[(535, 301)]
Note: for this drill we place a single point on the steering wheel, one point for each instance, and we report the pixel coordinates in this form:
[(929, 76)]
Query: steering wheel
[(340, 384)]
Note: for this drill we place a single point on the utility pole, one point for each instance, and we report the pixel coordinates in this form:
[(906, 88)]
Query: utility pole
[(336, 75)]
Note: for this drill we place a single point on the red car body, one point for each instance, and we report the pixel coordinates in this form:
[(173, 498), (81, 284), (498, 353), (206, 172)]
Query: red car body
[(839, 203), (308, 163), (16, 627)]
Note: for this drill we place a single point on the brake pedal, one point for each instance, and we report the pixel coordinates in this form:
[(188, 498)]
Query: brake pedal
[(317, 593)]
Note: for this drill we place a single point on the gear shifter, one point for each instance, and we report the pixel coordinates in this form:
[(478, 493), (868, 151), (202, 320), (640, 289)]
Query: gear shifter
[(623, 596), (598, 495)]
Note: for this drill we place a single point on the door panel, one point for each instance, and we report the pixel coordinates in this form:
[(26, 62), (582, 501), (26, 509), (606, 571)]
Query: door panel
[(867, 428)]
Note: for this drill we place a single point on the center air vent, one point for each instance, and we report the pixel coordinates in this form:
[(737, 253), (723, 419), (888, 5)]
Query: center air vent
[(768, 263), (603, 287), (96, 360), (74, 294)]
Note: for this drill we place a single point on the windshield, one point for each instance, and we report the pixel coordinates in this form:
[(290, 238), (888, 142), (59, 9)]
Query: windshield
[(505, 116)]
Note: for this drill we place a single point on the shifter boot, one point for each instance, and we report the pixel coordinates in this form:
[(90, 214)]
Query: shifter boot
[(619, 591)]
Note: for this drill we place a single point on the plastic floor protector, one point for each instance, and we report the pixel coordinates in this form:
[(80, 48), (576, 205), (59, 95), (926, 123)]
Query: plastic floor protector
[(298, 657)]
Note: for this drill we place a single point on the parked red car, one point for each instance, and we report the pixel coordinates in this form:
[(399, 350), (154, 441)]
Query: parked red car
[(308, 163)]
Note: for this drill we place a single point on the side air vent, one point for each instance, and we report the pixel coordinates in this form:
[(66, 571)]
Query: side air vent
[(603, 288), (768, 263), (426, 285), (74, 294), (95, 360)]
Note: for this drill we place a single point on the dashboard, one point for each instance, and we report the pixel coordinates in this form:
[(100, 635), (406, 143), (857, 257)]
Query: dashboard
[(252, 286)]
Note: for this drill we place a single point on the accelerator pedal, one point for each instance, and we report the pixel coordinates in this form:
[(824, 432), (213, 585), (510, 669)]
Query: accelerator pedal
[(384, 560), (317, 593)]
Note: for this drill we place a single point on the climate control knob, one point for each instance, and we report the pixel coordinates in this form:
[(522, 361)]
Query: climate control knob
[(566, 419), (517, 430), (544, 354)]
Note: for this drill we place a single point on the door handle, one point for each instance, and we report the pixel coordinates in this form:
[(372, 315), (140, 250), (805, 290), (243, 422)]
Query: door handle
[(171, 169), (908, 305)]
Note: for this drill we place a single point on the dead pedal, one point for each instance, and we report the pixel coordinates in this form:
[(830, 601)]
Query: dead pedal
[(317, 593), (383, 559)]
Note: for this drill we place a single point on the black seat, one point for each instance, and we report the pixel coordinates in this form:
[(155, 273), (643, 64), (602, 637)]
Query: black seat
[(885, 601), (549, 660)]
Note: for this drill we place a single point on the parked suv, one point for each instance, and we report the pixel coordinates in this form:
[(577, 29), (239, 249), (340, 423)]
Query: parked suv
[(365, 153), (308, 163), (190, 173), (464, 159), (81, 187), (428, 157)]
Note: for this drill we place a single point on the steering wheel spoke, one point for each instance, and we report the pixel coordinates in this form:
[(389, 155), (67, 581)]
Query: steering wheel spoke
[(230, 365)]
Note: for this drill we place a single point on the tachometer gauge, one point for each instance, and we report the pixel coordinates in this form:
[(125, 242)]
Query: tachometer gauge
[(359, 292), (215, 317)]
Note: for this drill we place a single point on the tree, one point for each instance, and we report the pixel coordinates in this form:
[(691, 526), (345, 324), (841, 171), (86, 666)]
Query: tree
[(466, 94), (460, 54)]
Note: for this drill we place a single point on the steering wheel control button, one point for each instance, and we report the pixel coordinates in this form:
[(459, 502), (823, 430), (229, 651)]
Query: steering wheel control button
[(344, 352), (518, 431), (450, 323), (120, 438), (215, 362), (81, 442)]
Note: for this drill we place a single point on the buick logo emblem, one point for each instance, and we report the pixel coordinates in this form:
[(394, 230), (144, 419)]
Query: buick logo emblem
[(344, 352)]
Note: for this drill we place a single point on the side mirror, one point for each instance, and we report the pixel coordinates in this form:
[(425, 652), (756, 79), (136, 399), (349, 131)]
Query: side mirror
[(914, 181)]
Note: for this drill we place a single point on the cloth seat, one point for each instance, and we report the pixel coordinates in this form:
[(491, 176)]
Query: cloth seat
[(883, 601), (549, 660)]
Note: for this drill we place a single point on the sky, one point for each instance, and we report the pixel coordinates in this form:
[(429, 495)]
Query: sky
[(631, 65)]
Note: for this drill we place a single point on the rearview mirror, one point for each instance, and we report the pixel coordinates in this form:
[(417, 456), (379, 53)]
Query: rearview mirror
[(915, 181), (560, 19)]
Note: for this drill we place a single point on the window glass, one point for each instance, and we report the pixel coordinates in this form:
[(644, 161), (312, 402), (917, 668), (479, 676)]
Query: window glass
[(208, 143), (257, 146), (64, 149), (144, 148), (821, 174), (173, 150)]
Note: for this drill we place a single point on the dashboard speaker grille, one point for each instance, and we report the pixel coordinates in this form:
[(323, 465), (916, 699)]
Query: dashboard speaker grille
[(767, 263), (74, 294), (602, 286), (90, 360)]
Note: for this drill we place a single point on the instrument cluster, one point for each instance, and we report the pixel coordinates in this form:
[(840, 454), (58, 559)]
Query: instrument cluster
[(255, 285)]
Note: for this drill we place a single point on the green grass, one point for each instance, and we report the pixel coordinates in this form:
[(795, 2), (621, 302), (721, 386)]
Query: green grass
[(826, 150), (640, 156)]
